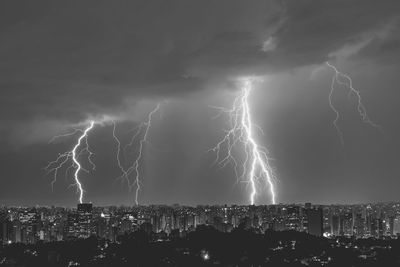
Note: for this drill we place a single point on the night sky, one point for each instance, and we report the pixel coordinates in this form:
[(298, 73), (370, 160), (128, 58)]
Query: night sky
[(62, 63)]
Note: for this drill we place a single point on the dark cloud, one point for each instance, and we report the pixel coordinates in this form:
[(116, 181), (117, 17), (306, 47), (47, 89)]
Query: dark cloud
[(314, 29), (384, 48), (74, 58), (304, 33)]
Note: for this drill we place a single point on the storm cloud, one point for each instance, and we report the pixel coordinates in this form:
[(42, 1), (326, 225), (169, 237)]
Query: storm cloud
[(62, 62)]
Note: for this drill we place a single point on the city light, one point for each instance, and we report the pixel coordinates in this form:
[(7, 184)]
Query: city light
[(205, 255)]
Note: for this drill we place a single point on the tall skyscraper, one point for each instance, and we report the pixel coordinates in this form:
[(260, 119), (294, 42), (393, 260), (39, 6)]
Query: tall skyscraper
[(85, 220), (396, 225), (315, 221), (72, 225), (335, 228)]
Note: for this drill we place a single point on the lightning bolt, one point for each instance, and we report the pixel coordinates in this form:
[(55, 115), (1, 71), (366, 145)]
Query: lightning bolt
[(120, 165), (132, 174), (255, 166), (71, 158), (345, 80)]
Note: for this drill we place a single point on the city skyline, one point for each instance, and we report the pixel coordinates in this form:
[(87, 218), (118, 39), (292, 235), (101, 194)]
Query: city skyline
[(86, 220), (224, 102), (176, 235)]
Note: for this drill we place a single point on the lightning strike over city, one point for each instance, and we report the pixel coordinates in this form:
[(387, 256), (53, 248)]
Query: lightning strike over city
[(134, 168), (345, 80), (70, 159), (200, 133), (255, 168)]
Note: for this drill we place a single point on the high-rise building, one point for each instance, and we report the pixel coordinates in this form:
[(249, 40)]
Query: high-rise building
[(85, 226), (346, 221), (359, 225), (6, 230), (377, 228), (335, 225), (293, 220), (3, 232), (396, 225), (27, 232), (101, 227), (16, 232), (315, 221), (72, 225)]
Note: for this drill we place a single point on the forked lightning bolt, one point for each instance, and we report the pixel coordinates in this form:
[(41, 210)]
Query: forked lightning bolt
[(255, 166), (71, 158), (345, 80), (132, 174)]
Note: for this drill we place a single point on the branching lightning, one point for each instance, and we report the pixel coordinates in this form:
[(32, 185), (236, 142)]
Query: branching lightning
[(132, 174), (345, 80), (255, 166), (71, 158)]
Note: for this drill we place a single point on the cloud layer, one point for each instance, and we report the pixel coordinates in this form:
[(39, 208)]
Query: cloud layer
[(67, 60)]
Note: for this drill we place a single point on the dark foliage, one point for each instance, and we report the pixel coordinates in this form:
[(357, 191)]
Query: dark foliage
[(207, 247)]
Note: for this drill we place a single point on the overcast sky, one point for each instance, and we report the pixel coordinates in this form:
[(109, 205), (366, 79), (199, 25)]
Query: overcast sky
[(62, 63)]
